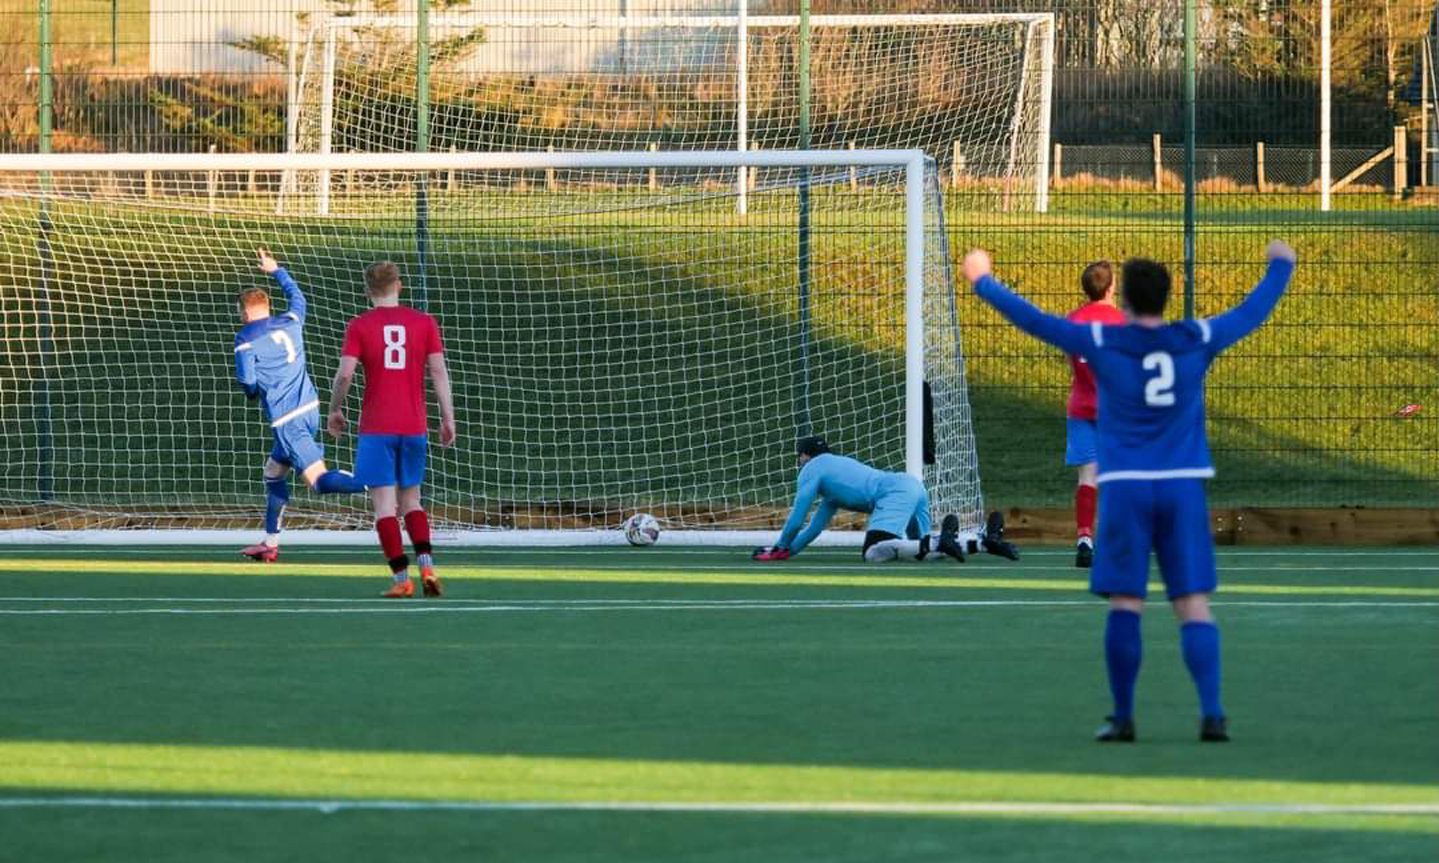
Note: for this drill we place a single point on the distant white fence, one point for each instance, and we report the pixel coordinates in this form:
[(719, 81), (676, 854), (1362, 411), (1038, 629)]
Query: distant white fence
[(193, 38)]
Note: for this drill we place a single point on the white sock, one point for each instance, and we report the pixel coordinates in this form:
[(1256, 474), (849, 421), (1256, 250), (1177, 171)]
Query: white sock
[(402, 576), (902, 549), (272, 540), (935, 555), (882, 552)]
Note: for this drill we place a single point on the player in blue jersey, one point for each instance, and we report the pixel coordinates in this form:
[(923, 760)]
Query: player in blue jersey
[(1153, 460), (270, 366), (897, 504)]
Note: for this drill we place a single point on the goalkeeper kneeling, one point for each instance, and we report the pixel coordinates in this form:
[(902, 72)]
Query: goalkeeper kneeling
[(898, 507)]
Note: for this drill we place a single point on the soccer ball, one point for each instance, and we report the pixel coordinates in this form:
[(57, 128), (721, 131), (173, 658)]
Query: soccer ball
[(642, 529)]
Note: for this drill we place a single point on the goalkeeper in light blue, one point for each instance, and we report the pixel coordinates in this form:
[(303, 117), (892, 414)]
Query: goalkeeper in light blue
[(270, 366), (898, 506), (1153, 461)]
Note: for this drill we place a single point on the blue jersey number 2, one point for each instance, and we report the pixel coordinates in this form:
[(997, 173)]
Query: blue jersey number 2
[(1159, 391)]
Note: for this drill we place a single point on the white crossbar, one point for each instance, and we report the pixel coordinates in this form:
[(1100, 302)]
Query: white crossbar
[(81, 162)]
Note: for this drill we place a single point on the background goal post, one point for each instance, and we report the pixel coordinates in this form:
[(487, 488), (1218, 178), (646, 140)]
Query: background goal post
[(974, 89), (622, 343)]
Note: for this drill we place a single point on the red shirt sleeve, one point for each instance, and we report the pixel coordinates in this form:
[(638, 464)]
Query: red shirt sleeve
[(352, 340)]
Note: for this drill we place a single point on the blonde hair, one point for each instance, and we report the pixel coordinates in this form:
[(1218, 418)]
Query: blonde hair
[(254, 298), (381, 278)]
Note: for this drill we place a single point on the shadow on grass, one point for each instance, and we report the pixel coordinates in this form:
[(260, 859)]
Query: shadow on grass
[(1008, 689)]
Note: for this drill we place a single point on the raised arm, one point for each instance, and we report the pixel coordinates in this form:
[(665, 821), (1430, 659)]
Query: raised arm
[(293, 296), (1069, 337), (1245, 318)]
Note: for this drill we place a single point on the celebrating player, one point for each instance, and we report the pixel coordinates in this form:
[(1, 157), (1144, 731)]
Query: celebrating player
[(395, 345), (1153, 460), (898, 507), (1080, 426), (270, 365)]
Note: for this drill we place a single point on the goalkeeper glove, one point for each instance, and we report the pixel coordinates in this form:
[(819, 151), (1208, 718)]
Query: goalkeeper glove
[(769, 553)]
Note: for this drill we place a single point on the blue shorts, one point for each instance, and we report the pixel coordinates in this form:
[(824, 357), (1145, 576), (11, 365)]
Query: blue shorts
[(391, 459), (1169, 516), (295, 443), (902, 508), (1081, 441)]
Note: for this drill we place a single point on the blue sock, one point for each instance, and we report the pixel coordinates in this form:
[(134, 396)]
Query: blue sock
[(338, 482), (1123, 650), (277, 494), (1200, 642)]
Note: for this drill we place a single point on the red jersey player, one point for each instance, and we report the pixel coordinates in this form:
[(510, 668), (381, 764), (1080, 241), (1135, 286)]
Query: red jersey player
[(395, 345), (1081, 429)]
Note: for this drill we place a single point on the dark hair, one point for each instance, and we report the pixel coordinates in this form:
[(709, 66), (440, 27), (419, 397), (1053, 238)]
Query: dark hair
[(811, 446), (380, 277), (1146, 286), (1097, 279), (254, 297)]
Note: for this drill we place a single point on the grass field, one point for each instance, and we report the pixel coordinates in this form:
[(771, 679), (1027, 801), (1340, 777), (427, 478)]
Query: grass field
[(1302, 414), (81, 31), (667, 704)]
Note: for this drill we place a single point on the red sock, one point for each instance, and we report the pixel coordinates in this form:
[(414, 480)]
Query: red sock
[(417, 525), (391, 543), (1085, 497)]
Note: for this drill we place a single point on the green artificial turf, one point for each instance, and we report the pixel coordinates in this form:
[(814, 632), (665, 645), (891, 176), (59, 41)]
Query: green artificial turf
[(563, 679), (599, 342)]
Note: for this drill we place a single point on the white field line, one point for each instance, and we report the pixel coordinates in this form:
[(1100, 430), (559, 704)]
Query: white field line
[(701, 551), (983, 807), (497, 569), (244, 607)]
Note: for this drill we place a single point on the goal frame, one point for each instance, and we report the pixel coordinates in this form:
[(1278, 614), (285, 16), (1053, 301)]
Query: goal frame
[(914, 164), (328, 28)]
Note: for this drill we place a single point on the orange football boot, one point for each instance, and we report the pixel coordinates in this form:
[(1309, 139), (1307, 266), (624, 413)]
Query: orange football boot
[(262, 552), (400, 590)]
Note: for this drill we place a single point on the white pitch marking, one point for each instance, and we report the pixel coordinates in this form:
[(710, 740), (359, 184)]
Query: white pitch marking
[(721, 551), (532, 606), (982, 807)]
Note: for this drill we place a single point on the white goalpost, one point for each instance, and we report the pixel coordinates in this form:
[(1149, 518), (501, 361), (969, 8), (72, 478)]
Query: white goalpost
[(972, 89), (614, 351)]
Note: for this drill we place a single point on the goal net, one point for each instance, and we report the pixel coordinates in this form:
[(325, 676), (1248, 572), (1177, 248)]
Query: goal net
[(625, 343), (972, 90)]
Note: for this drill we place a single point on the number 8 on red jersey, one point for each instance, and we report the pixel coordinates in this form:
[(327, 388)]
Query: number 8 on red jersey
[(392, 344)]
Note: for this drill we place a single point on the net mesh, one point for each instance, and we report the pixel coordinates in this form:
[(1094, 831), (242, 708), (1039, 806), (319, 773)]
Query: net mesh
[(968, 89), (613, 351)]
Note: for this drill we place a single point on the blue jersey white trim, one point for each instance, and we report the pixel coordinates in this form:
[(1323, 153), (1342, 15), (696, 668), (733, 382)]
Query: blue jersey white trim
[(1150, 379), (270, 361), (1180, 473), (297, 412)]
